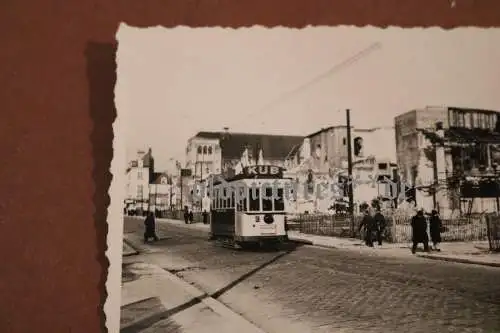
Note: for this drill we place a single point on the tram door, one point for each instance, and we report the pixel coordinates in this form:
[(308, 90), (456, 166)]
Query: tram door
[(223, 216), (241, 208)]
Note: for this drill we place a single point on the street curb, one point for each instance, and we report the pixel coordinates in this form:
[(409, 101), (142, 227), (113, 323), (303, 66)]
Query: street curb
[(215, 305), (129, 244), (210, 302), (302, 241), (459, 260)]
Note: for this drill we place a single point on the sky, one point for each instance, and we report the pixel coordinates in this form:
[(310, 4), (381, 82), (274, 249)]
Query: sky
[(172, 83)]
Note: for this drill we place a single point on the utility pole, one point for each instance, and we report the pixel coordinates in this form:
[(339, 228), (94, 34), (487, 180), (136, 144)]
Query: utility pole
[(495, 167), (171, 184), (349, 170), (435, 183), (182, 207)]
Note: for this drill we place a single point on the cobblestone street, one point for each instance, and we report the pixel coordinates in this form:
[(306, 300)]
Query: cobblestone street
[(309, 289)]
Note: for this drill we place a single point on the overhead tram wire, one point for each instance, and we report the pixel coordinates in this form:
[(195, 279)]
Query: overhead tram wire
[(333, 70)]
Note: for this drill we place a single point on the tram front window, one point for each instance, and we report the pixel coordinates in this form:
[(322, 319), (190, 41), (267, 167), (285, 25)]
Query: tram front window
[(267, 200), (254, 199), (279, 202)]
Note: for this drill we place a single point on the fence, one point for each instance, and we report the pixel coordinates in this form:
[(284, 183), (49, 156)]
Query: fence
[(326, 225), (398, 228), (493, 226), (471, 228)]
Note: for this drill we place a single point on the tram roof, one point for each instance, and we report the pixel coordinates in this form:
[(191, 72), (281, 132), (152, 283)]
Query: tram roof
[(255, 172)]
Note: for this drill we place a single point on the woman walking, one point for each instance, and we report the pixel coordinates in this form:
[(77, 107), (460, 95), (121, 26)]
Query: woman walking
[(435, 227)]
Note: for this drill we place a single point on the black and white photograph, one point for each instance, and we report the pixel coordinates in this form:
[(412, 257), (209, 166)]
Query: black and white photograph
[(325, 179)]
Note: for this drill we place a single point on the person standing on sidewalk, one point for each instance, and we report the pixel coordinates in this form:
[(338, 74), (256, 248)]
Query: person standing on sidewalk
[(150, 225), (206, 203), (380, 224), (368, 224), (419, 231), (186, 214), (435, 227)]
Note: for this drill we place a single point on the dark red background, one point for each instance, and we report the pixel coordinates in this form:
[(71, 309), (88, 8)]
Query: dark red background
[(57, 80)]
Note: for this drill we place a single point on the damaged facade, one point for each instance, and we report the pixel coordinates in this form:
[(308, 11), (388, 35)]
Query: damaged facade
[(450, 155), (322, 158)]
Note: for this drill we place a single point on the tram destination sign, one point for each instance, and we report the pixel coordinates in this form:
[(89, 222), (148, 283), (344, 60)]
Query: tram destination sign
[(267, 171)]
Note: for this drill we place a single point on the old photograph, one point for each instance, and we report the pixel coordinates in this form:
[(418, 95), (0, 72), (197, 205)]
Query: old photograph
[(325, 179)]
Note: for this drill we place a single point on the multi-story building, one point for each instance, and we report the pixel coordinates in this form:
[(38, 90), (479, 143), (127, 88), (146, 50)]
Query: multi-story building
[(210, 153), (139, 173), (203, 155), (323, 156), (449, 155), (162, 193)]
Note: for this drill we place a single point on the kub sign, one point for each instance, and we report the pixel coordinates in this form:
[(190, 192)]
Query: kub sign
[(263, 171)]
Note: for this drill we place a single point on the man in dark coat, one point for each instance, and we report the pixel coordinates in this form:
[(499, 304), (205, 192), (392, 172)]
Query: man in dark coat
[(419, 231), (380, 225), (368, 224), (186, 214), (150, 224), (435, 227)]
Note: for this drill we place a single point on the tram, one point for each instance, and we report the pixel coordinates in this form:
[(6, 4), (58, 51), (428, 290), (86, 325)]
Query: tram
[(249, 208)]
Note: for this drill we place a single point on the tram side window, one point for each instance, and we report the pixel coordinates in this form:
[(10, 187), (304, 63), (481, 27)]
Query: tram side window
[(267, 201), (254, 199), (239, 203), (279, 202), (242, 199)]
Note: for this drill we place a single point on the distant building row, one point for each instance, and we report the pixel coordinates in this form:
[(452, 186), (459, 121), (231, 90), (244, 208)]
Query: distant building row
[(448, 155)]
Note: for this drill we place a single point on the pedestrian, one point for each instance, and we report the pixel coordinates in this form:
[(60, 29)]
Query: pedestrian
[(419, 231), (368, 224), (206, 203), (380, 224), (186, 214), (150, 225), (435, 228), (190, 216)]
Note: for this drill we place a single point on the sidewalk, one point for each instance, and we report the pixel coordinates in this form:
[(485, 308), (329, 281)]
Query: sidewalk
[(128, 250), (461, 252), (155, 300)]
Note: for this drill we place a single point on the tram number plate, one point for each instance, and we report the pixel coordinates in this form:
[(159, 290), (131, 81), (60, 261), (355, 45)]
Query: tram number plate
[(267, 229)]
